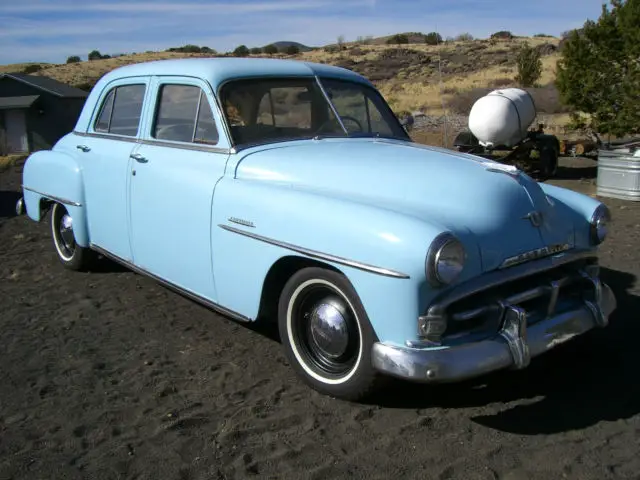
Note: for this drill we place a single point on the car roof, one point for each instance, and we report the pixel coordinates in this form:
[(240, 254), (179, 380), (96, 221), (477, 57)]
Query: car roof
[(216, 71), (221, 69)]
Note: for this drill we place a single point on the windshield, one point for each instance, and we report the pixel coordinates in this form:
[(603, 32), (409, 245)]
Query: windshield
[(277, 109)]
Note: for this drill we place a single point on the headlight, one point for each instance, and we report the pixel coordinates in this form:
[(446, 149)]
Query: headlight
[(600, 224), (445, 260)]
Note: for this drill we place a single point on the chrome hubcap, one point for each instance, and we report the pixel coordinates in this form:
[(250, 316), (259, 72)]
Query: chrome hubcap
[(329, 329), (325, 331), (66, 232)]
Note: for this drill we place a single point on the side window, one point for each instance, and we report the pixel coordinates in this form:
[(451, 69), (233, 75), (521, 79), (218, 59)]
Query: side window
[(184, 115), (121, 111)]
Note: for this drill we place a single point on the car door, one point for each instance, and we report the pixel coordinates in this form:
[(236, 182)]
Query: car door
[(173, 173), (105, 151)]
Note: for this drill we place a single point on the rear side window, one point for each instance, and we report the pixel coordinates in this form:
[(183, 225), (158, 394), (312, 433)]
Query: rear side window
[(121, 110), (184, 115)]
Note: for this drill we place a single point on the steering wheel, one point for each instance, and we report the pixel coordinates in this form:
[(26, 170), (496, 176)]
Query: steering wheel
[(343, 118)]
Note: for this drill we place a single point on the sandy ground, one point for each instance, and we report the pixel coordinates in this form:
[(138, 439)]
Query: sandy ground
[(107, 375)]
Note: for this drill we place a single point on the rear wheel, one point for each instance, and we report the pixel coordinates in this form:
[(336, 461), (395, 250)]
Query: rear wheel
[(326, 334), (70, 254)]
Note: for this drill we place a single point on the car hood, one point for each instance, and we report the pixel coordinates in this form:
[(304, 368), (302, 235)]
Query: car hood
[(485, 203)]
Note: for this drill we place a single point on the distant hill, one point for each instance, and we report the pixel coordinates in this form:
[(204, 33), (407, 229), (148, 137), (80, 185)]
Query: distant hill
[(284, 44)]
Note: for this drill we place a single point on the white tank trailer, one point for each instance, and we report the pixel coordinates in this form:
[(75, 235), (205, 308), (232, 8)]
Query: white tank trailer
[(500, 121)]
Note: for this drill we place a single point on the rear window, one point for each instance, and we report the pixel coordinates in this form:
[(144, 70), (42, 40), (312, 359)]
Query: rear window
[(121, 111)]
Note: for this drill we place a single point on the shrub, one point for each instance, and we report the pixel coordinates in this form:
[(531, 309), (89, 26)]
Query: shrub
[(340, 42), (241, 51), (34, 67), (503, 34), (255, 51), (399, 39), (292, 50), (331, 49), (464, 37), (529, 66), (541, 35), (432, 38), (270, 49), (94, 55), (599, 74), (208, 50), (73, 59)]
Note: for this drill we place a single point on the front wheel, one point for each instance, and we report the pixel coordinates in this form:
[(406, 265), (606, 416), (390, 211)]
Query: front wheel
[(70, 254), (326, 334)]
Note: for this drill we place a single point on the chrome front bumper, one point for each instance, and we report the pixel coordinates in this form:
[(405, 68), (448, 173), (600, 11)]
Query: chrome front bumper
[(512, 347)]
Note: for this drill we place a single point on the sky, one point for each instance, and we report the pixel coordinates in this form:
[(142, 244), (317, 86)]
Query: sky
[(52, 30)]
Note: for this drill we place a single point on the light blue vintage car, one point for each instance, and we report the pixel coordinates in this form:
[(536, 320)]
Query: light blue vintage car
[(288, 191)]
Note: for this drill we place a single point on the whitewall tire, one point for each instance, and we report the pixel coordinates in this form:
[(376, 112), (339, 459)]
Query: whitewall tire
[(326, 334), (70, 254)]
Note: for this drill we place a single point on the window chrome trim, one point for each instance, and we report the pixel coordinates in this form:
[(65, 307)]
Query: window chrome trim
[(171, 286), (159, 143), (185, 146), (53, 197), (333, 107), (320, 255), (107, 136)]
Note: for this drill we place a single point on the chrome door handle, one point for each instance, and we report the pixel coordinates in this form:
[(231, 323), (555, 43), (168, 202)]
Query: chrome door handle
[(138, 158), (84, 148)]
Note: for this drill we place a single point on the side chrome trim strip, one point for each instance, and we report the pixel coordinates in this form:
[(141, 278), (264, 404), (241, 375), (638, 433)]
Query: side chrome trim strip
[(315, 254), (53, 197), (181, 291)]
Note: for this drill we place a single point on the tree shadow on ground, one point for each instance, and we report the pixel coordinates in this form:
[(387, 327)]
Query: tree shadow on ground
[(588, 380)]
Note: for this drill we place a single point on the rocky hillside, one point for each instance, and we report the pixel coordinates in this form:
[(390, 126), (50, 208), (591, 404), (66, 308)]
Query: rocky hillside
[(413, 77)]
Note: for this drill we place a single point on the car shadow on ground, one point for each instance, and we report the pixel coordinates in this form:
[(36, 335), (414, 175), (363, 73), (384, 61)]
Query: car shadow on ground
[(8, 201), (576, 173), (591, 379)]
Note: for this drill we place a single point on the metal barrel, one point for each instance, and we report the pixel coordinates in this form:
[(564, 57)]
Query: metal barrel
[(619, 173)]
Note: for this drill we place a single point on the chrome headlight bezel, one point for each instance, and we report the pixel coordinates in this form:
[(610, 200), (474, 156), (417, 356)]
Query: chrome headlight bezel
[(444, 246), (598, 225)]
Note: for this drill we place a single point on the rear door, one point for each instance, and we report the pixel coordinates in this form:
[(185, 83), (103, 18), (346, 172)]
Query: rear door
[(105, 151), (173, 175)]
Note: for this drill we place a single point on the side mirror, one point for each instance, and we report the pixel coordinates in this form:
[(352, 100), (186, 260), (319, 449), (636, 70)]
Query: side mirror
[(407, 121)]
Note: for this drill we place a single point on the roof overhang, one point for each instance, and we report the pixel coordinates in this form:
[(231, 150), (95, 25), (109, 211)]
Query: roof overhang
[(8, 103)]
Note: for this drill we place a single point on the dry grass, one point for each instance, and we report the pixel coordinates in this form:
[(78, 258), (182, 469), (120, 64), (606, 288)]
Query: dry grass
[(403, 95), (10, 161)]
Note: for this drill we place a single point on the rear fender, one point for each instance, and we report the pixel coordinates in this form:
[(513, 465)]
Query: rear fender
[(50, 176)]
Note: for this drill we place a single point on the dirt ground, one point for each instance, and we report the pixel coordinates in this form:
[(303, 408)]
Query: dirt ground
[(108, 375)]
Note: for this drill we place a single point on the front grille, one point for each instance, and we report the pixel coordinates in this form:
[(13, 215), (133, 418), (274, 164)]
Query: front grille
[(540, 295)]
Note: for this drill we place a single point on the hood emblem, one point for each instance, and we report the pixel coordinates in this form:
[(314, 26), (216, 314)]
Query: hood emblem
[(534, 217)]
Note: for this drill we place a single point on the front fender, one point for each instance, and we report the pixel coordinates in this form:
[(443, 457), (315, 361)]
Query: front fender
[(55, 176), (255, 224), (576, 206)]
